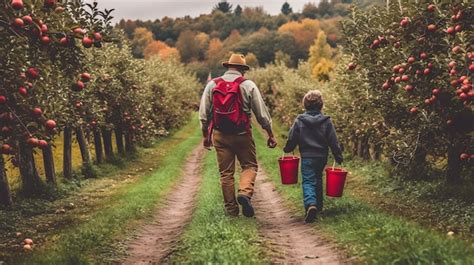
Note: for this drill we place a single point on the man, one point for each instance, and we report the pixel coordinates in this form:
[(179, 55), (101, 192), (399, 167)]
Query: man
[(236, 141)]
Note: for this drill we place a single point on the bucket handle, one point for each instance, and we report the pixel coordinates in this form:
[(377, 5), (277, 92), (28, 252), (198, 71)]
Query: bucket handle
[(283, 155)]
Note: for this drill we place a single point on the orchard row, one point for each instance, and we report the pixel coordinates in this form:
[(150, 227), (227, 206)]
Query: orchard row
[(65, 71)]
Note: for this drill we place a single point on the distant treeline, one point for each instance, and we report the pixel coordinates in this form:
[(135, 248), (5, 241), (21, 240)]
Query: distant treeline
[(202, 42)]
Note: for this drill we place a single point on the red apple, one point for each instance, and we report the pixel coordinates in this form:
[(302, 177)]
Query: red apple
[(27, 19), (3, 100), (23, 91), (49, 3), (405, 78), (453, 72), (427, 71), (436, 91), (463, 96), (409, 88), (78, 86), (45, 40), (452, 64), (87, 42), (64, 41), (414, 110), (18, 22), (450, 30), (32, 73), (351, 66), (431, 27), (396, 68), (454, 83), (6, 149), (386, 86), (78, 31), (398, 79), (50, 124), (411, 59), (85, 77), (404, 23), (423, 55), (42, 144), (464, 156), (97, 36), (458, 28), (397, 44), (37, 112), (471, 67), (431, 8), (430, 65), (456, 49), (44, 28), (33, 142), (428, 101), (17, 4)]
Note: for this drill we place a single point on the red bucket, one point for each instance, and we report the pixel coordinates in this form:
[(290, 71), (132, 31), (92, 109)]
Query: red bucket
[(335, 180), (289, 169)]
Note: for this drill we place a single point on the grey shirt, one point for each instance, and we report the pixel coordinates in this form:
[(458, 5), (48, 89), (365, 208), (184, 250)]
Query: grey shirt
[(252, 101)]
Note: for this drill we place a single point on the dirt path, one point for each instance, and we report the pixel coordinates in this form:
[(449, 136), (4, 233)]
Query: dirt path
[(290, 240), (155, 240)]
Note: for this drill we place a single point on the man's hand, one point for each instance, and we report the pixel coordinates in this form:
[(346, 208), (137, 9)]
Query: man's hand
[(207, 143), (271, 142)]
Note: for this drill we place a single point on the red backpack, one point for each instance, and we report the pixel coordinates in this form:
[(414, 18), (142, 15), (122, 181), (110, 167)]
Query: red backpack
[(228, 115)]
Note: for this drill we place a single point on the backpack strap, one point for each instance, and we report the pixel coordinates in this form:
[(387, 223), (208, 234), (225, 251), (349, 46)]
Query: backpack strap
[(240, 80), (218, 80)]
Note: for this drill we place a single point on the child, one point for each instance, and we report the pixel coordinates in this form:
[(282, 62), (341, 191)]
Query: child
[(314, 133)]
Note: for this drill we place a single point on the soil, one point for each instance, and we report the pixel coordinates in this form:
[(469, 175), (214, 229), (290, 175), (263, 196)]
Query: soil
[(290, 240), (154, 241)]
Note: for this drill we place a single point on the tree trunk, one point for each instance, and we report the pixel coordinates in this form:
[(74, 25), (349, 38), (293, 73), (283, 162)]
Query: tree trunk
[(98, 146), (48, 161), (354, 146), (129, 146), (453, 172), (365, 148), (377, 155), (119, 140), (67, 155), (5, 194), (418, 168), (30, 178), (107, 135), (83, 146)]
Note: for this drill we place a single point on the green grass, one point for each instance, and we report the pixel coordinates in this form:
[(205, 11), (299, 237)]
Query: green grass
[(214, 238), (95, 240), (373, 236)]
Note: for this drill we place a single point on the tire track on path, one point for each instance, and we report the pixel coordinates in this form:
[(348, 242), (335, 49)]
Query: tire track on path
[(290, 240), (155, 240)]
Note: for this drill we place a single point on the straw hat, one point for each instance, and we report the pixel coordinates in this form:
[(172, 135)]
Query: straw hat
[(237, 60)]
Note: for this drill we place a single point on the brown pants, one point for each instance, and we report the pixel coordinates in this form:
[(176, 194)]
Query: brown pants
[(229, 146)]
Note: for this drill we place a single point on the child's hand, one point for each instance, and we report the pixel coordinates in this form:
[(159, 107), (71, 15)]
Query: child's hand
[(272, 142)]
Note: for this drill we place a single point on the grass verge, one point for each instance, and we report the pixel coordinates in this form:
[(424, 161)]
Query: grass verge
[(373, 236), (214, 238), (95, 238)]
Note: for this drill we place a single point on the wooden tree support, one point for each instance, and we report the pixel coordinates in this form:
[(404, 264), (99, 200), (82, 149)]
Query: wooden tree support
[(98, 146), (5, 194), (67, 155), (48, 161), (31, 181), (119, 140)]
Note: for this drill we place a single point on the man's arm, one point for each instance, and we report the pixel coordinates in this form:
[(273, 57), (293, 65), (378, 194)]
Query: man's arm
[(262, 114), (205, 113), (293, 137), (334, 143)]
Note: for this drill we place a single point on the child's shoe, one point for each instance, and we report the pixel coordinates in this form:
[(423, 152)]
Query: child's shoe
[(311, 214)]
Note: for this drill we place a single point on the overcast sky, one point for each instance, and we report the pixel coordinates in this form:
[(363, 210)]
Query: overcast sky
[(152, 9)]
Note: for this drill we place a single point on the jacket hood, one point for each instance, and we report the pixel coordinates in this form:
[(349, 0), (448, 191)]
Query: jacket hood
[(313, 119)]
